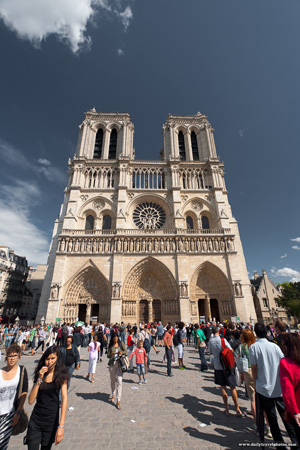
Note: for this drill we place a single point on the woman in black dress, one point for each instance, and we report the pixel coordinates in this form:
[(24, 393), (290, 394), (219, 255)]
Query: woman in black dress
[(50, 377)]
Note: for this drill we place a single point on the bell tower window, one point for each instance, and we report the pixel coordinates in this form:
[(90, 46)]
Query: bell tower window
[(194, 146), (181, 146), (112, 153), (89, 223), (189, 223), (106, 224), (205, 223), (98, 144)]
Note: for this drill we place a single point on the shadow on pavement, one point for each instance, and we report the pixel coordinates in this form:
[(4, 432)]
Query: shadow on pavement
[(101, 396), (211, 413)]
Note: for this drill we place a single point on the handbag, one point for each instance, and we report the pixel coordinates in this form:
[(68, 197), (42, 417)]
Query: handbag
[(22, 423), (124, 363)]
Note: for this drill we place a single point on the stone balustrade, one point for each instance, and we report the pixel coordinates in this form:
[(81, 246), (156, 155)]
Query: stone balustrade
[(139, 232)]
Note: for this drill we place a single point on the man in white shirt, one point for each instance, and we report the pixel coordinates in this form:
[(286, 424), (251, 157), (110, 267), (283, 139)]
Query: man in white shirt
[(265, 357)]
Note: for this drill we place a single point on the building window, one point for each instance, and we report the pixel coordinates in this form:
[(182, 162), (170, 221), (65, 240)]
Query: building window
[(112, 153), (89, 223), (265, 302), (205, 222), (106, 224), (98, 144), (189, 223), (194, 146), (181, 146)]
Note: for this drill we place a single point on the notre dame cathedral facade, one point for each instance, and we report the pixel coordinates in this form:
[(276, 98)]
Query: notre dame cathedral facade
[(145, 240)]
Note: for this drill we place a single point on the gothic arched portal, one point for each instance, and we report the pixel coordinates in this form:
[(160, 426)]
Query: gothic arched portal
[(150, 293), (87, 295), (211, 294)]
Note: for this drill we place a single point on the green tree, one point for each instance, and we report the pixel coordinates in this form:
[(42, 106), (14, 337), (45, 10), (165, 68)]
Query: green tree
[(290, 298)]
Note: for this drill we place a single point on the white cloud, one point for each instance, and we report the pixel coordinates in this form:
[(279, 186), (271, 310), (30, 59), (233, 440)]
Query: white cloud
[(17, 230), (120, 52), (295, 247), (296, 239), (51, 172), (35, 20), (15, 157), (125, 17), (242, 132), (287, 272), (283, 256)]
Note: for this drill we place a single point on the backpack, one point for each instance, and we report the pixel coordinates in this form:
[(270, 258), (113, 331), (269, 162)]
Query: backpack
[(65, 329), (175, 340), (147, 345), (226, 357)]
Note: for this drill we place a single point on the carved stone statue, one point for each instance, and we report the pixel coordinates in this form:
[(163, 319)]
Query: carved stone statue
[(156, 246), (162, 245), (76, 246), (54, 291), (198, 245), (137, 246), (70, 245), (143, 245), (210, 246), (216, 245), (204, 245), (192, 245), (180, 245), (187, 245), (222, 245), (168, 245), (125, 246), (94, 246), (131, 246), (82, 245), (119, 245), (100, 246), (150, 245), (88, 246)]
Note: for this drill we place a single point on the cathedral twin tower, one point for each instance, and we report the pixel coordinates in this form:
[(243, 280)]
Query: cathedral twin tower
[(145, 240)]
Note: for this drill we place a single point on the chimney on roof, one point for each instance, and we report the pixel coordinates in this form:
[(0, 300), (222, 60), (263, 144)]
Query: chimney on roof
[(255, 276), (264, 272)]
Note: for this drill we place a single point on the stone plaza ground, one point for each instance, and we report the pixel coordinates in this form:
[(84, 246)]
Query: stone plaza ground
[(184, 411)]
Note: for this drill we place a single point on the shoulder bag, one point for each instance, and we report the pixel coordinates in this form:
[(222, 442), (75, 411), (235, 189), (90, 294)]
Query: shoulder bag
[(22, 423)]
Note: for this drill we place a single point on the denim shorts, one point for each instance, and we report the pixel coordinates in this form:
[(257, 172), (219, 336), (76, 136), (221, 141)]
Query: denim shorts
[(140, 369)]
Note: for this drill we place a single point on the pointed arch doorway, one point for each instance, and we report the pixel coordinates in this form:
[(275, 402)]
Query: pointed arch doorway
[(87, 296), (150, 293), (211, 290)]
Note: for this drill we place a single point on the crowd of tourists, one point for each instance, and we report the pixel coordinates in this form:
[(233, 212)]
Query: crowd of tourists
[(266, 360)]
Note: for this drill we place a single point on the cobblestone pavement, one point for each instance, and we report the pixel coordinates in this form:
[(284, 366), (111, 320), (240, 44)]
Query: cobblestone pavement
[(165, 413)]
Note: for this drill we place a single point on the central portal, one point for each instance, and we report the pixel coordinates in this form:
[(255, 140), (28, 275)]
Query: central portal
[(144, 311)]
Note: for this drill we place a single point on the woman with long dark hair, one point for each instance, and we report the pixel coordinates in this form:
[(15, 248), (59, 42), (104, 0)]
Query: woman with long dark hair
[(11, 406), (289, 374), (116, 348), (50, 376)]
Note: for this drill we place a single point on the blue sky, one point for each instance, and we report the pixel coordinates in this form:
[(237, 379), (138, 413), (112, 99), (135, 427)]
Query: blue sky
[(235, 61)]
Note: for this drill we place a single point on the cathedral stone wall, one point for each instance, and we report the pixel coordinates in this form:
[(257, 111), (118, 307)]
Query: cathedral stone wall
[(146, 240)]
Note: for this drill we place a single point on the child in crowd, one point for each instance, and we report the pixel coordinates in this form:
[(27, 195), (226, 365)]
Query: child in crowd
[(141, 360)]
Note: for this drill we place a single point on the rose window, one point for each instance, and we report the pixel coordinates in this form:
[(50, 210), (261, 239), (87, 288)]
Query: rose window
[(149, 216)]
